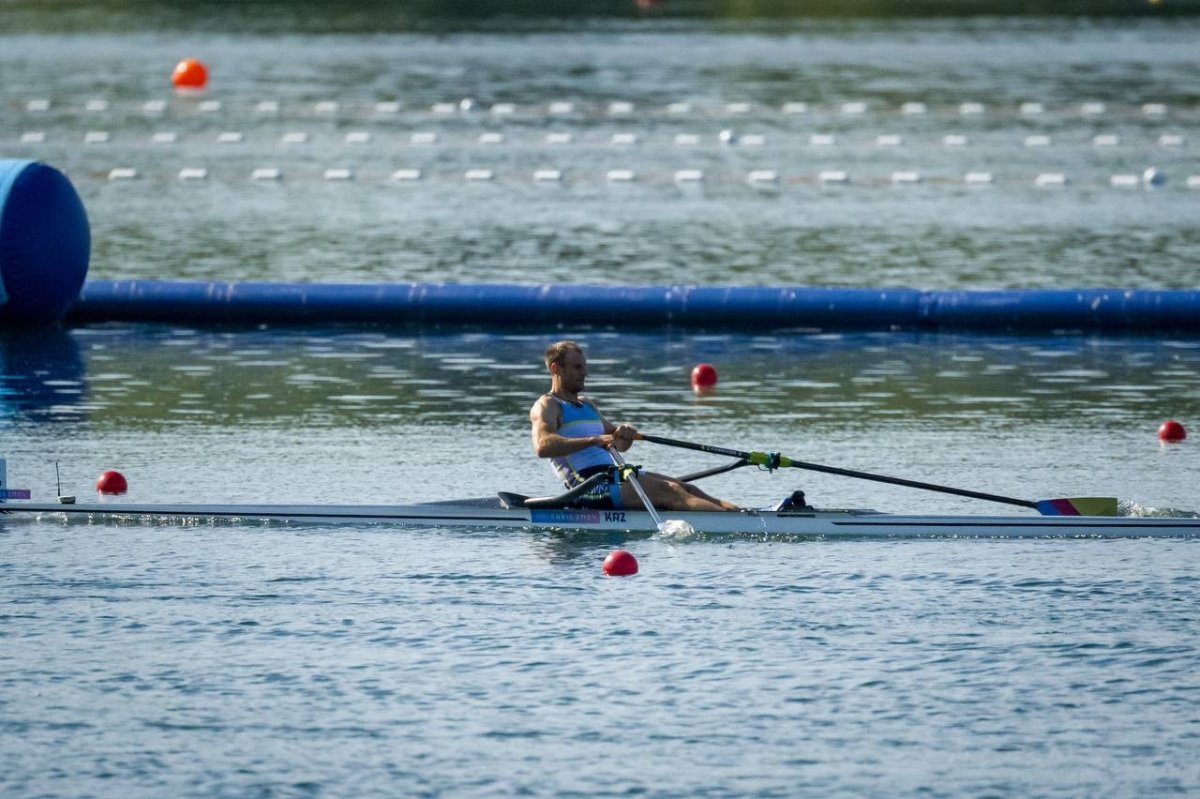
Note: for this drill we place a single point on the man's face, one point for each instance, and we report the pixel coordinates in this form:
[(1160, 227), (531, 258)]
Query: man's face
[(573, 371)]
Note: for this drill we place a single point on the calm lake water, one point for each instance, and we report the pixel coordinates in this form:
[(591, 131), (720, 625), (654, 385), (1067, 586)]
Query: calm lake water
[(244, 660)]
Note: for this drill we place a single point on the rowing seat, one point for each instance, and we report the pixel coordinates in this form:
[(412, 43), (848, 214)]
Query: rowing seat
[(563, 500)]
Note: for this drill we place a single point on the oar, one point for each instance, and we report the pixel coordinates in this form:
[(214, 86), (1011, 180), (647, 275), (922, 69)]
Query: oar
[(1066, 506), (633, 481)]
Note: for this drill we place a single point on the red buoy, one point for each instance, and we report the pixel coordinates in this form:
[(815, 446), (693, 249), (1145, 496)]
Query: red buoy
[(620, 563), (1172, 431), (704, 377), (189, 74), (111, 482)]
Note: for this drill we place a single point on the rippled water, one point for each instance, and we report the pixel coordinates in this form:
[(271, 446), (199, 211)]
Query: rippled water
[(1087, 101), (206, 662), (248, 660), (999, 412)]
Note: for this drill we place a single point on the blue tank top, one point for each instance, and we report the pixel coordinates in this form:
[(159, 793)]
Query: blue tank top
[(579, 421)]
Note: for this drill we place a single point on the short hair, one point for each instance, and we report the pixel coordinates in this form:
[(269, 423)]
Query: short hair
[(557, 351)]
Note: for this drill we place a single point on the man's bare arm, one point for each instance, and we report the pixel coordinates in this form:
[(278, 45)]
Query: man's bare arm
[(544, 422)]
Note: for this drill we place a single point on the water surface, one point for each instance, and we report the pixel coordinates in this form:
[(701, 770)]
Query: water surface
[(251, 660)]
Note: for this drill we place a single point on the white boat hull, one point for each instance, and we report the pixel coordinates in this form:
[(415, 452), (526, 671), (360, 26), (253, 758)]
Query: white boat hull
[(488, 513)]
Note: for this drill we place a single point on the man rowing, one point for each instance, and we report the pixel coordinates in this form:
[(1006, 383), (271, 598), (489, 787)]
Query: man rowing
[(571, 432)]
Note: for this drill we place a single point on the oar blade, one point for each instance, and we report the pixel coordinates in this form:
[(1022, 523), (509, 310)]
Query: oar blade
[(1078, 506)]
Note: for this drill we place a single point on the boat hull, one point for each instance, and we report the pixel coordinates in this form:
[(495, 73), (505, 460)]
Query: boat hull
[(488, 513)]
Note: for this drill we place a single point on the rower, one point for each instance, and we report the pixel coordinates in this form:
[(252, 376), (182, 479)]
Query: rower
[(569, 430)]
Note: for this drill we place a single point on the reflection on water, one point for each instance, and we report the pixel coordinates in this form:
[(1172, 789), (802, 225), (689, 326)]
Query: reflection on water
[(42, 376), (154, 376)]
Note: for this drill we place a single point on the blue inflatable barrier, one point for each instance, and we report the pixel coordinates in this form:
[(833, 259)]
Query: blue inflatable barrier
[(45, 243), (696, 307), (1091, 310)]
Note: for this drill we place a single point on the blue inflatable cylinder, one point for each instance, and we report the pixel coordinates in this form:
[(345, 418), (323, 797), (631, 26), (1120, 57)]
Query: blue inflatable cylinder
[(500, 305), (45, 243), (695, 307), (1091, 310)]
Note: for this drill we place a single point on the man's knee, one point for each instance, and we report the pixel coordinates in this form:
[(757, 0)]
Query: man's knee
[(654, 487)]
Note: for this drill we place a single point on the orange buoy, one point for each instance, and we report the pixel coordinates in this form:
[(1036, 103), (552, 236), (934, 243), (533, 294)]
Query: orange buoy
[(620, 563), (189, 74), (111, 482)]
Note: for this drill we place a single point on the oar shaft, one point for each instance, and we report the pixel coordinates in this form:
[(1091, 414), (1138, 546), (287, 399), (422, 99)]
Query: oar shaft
[(763, 459), (671, 442), (729, 467), (637, 486), (900, 481)]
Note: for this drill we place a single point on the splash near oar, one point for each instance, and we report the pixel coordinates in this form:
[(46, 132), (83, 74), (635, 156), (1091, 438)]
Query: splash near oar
[(671, 527), (1066, 506)]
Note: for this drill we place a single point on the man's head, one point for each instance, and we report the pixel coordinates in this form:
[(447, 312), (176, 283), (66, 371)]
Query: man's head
[(557, 352), (567, 364)]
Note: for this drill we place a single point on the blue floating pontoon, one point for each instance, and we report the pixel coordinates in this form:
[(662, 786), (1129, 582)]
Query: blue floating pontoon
[(693, 307), (45, 244)]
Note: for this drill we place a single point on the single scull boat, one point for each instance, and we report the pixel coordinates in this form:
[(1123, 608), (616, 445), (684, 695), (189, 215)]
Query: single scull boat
[(494, 512), (793, 517)]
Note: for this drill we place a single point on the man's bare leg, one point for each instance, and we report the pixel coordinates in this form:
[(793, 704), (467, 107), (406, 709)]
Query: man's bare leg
[(667, 493)]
